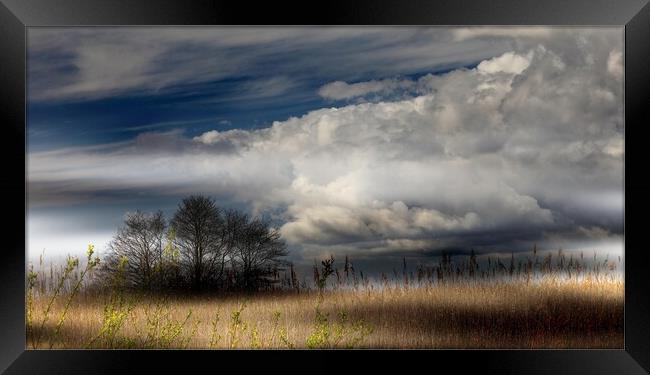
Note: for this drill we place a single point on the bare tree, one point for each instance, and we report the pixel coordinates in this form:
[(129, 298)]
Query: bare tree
[(141, 242), (234, 224), (256, 251), (199, 236), (202, 245)]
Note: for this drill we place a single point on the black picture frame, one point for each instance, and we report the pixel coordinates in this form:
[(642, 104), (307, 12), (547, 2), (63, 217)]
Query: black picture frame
[(17, 15)]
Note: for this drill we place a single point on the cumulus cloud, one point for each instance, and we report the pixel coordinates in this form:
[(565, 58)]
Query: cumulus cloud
[(509, 62), (524, 145)]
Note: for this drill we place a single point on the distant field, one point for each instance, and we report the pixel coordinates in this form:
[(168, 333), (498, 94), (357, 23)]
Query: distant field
[(573, 313)]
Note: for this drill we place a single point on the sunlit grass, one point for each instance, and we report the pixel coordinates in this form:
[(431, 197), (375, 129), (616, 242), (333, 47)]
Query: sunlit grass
[(551, 313)]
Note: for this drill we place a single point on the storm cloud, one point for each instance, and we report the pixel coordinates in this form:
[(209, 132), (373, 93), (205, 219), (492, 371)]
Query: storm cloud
[(524, 146)]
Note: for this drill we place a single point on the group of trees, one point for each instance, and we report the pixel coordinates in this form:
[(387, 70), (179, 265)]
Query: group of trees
[(202, 247)]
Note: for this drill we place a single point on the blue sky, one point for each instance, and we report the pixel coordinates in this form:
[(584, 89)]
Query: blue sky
[(279, 80), (500, 137)]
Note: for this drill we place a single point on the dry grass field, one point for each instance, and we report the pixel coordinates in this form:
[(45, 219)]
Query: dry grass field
[(585, 312)]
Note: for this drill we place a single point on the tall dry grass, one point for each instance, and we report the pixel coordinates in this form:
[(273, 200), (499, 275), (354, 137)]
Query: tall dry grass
[(538, 304)]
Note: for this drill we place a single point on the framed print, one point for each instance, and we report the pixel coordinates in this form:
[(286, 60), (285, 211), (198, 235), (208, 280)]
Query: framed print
[(347, 180)]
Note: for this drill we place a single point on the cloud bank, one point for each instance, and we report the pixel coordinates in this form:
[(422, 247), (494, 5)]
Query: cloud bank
[(526, 147)]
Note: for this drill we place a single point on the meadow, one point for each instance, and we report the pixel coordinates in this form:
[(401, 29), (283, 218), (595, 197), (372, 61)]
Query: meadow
[(530, 302)]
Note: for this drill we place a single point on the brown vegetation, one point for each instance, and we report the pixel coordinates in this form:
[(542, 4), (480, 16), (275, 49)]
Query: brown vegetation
[(546, 310)]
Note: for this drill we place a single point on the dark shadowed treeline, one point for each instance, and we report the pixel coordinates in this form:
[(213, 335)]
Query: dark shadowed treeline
[(202, 247)]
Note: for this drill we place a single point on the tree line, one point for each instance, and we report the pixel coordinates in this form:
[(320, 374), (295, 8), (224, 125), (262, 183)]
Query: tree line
[(203, 247)]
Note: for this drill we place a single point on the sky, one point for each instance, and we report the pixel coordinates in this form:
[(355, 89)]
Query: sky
[(377, 143)]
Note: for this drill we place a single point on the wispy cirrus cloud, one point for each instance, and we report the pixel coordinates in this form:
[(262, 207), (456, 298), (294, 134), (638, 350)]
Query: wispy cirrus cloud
[(85, 64)]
